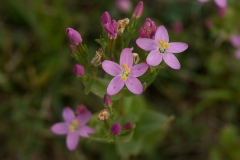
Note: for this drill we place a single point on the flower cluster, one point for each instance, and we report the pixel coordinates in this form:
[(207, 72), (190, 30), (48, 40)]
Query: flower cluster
[(134, 70)]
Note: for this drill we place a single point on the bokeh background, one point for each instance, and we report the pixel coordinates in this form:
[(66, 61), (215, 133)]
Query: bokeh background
[(36, 79)]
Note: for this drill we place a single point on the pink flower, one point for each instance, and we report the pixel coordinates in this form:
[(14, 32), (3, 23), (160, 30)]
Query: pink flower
[(125, 73), (78, 70), (124, 5), (73, 127), (219, 3), (235, 40), (161, 49)]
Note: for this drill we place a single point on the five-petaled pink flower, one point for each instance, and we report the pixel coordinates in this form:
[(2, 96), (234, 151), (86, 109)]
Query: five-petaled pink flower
[(235, 40), (125, 73), (161, 49), (73, 127), (219, 3)]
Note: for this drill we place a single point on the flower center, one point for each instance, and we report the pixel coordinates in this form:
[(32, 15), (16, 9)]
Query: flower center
[(125, 71), (74, 125), (163, 46)]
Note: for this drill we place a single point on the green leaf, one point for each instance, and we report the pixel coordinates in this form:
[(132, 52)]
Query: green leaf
[(89, 85)]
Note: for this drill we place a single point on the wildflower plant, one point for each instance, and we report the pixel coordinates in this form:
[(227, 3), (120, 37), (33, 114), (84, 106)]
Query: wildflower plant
[(127, 70)]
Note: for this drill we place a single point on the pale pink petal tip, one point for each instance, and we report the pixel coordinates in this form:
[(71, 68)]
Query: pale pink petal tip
[(60, 128), (134, 85), (161, 34), (154, 58), (171, 61), (72, 140), (115, 85), (68, 114)]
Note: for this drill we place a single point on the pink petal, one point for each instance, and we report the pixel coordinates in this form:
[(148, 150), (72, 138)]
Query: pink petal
[(84, 117), (126, 57), (237, 54), (138, 69), (221, 3), (134, 85), (235, 40), (146, 44), (60, 128), (154, 58), (72, 140), (68, 114), (161, 34), (202, 1), (177, 47), (85, 130), (111, 67), (115, 85), (171, 60)]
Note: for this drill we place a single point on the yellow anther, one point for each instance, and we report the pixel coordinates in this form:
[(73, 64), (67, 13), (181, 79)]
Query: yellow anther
[(125, 67), (124, 77), (163, 44), (72, 128), (75, 122)]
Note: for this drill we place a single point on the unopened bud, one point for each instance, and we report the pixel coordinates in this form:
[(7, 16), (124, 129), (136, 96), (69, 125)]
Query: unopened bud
[(107, 100), (74, 36), (73, 49), (103, 115), (138, 10), (81, 109), (116, 129), (78, 70), (122, 24), (128, 126), (136, 58), (105, 18), (124, 5)]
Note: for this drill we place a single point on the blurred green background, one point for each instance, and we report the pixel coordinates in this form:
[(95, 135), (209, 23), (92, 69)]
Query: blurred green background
[(36, 80)]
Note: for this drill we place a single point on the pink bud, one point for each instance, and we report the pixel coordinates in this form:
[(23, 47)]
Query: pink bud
[(107, 100), (128, 126), (81, 109), (124, 5), (73, 49), (74, 36), (221, 11), (116, 129), (111, 28), (138, 10), (208, 24), (78, 70), (177, 27), (105, 18)]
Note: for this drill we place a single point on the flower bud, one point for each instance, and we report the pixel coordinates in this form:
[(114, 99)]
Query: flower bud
[(78, 70), (148, 29), (74, 36), (107, 100), (138, 10), (73, 49), (116, 129), (103, 115), (81, 109), (124, 5), (177, 27), (128, 126), (221, 11), (105, 18), (136, 58)]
